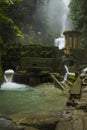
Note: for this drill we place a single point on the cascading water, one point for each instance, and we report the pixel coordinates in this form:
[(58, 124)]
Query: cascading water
[(8, 84), (8, 75), (84, 72), (59, 42), (53, 15), (67, 73), (66, 21)]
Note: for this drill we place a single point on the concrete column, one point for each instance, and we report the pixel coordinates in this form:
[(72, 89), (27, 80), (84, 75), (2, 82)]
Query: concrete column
[(67, 46), (78, 41), (72, 40)]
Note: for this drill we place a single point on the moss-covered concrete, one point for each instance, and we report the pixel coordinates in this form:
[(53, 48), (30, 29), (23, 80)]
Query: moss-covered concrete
[(31, 55), (32, 61), (38, 58)]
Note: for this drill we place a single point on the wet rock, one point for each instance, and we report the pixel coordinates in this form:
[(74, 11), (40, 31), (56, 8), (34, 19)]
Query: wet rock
[(78, 124), (72, 119), (30, 128), (64, 125), (65, 122), (67, 115), (85, 123), (7, 124), (38, 122)]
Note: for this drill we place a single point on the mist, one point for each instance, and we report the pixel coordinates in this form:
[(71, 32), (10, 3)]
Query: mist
[(53, 15)]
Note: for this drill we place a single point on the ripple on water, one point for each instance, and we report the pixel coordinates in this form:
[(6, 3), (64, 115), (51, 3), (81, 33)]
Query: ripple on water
[(42, 99)]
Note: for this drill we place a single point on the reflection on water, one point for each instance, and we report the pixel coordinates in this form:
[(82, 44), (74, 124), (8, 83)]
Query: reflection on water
[(44, 98)]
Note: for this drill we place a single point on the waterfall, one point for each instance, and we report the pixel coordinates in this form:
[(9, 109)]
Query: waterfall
[(84, 72), (67, 73), (66, 24), (53, 15), (59, 42), (8, 75), (66, 21)]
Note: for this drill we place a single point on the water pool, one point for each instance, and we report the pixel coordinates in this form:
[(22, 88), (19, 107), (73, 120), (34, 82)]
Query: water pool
[(42, 99)]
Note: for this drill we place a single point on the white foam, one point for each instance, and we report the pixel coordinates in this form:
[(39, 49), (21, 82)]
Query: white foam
[(67, 73), (84, 72), (59, 42), (13, 86), (9, 71)]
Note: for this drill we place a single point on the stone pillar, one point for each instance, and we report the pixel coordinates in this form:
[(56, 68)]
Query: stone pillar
[(72, 40), (66, 43), (78, 40)]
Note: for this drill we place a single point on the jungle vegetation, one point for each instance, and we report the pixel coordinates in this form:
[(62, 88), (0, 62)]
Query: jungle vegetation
[(78, 13), (8, 27)]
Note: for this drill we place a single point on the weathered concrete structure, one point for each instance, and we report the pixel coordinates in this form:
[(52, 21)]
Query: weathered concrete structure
[(36, 62), (32, 63)]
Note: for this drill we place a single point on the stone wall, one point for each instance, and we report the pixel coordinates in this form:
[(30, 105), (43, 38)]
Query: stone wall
[(31, 56), (39, 60), (34, 62)]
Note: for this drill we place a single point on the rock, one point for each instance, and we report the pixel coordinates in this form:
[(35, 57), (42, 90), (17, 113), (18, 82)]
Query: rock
[(85, 123), (64, 125), (30, 128), (78, 124), (7, 124)]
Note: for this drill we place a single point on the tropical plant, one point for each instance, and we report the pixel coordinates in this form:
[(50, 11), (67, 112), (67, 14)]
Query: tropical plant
[(78, 13), (6, 23)]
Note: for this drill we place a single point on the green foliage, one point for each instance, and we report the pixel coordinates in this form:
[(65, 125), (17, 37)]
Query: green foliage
[(78, 14), (9, 2), (37, 50), (10, 56), (19, 23), (13, 52), (7, 25)]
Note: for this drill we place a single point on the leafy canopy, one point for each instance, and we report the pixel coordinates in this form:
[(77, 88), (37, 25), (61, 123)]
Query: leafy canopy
[(5, 20), (79, 17)]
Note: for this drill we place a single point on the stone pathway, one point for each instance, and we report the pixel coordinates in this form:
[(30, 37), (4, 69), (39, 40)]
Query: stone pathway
[(75, 117)]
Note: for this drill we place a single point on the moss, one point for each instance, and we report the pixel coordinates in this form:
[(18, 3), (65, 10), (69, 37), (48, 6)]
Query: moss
[(12, 53), (71, 80)]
